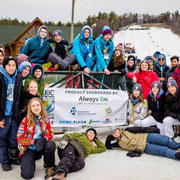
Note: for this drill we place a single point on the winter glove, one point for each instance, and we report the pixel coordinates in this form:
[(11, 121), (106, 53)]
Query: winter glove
[(63, 143), (40, 143)]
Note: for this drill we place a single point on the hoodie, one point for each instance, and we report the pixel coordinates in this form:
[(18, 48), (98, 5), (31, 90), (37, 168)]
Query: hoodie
[(83, 49), (36, 49), (10, 83), (104, 51), (22, 66)]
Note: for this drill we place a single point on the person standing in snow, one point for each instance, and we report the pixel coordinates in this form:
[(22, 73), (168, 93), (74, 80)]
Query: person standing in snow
[(144, 77), (161, 69)]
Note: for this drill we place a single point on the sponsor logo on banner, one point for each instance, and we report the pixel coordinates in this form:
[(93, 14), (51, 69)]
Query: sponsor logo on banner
[(91, 121), (73, 111), (107, 121), (108, 111), (49, 100)]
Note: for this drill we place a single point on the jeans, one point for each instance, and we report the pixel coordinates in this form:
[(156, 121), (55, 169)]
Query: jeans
[(161, 145), (8, 138)]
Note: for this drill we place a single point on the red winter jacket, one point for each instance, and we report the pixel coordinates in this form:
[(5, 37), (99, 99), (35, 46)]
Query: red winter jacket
[(176, 76), (145, 78), (26, 132)]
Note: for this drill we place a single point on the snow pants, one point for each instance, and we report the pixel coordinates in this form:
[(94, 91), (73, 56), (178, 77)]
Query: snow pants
[(28, 159), (8, 139), (168, 123), (63, 63), (70, 161)]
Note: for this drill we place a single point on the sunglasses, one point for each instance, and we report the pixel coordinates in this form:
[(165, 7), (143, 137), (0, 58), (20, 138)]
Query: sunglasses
[(160, 59)]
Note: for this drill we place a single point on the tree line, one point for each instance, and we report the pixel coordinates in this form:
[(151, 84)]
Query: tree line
[(115, 21)]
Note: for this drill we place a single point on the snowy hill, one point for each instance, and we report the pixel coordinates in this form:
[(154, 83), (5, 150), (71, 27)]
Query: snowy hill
[(146, 42)]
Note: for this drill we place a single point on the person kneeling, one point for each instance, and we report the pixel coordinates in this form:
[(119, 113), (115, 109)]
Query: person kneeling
[(72, 150), (34, 135)]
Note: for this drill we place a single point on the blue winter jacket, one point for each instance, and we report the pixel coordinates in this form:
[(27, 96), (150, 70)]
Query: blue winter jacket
[(37, 52), (83, 49), (101, 48)]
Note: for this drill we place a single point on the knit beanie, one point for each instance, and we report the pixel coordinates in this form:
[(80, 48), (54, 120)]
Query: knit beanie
[(92, 129), (172, 82), (131, 57), (7, 59), (149, 58), (106, 30), (111, 129), (57, 32), (155, 55), (37, 66), (156, 84), (138, 87), (21, 58)]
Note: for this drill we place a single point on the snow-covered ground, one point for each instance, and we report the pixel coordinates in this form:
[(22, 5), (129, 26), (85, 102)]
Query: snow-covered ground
[(146, 42), (112, 165)]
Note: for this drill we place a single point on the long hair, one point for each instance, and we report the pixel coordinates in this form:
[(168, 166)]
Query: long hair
[(141, 97), (31, 115), (33, 80), (118, 61)]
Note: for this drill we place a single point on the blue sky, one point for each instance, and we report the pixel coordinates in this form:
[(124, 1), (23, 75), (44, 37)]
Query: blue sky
[(55, 10)]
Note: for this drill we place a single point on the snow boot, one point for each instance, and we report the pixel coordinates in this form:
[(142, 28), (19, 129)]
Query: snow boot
[(59, 176)]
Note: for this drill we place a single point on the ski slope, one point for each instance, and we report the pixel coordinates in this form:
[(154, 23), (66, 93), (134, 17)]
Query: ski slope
[(146, 42)]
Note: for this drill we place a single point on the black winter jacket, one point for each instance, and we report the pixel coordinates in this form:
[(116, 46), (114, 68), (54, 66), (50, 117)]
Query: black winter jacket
[(157, 107), (16, 96), (172, 106)]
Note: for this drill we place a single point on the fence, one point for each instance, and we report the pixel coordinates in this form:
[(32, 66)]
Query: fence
[(79, 79)]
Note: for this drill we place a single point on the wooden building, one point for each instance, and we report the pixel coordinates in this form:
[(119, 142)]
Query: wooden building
[(14, 46), (13, 37)]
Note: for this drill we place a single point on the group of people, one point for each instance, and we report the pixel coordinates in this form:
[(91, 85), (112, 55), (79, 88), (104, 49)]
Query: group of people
[(25, 130)]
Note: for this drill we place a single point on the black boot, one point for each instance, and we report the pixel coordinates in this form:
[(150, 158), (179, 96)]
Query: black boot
[(177, 155), (6, 166)]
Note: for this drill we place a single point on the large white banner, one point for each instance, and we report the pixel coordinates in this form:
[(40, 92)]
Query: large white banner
[(85, 107)]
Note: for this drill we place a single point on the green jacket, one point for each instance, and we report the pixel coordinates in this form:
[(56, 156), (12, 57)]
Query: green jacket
[(130, 141), (82, 138)]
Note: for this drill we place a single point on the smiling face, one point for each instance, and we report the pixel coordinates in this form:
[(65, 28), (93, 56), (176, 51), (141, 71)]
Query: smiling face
[(130, 62), (116, 133), (172, 90), (32, 88), (136, 93), (155, 91), (90, 135), (43, 33), (107, 37), (10, 67), (26, 71), (144, 66), (58, 38), (36, 107), (37, 73), (86, 33), (174, 63)]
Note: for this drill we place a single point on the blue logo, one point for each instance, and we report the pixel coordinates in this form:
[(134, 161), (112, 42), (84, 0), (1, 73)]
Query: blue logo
[(73, 111)]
